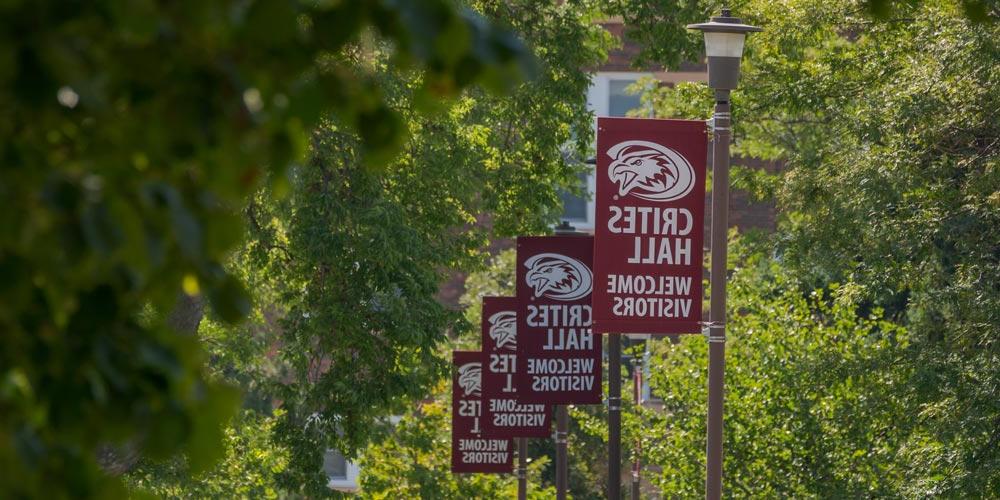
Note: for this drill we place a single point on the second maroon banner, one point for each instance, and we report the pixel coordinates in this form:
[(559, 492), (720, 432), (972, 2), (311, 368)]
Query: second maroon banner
[(649, 225), (559, 357), (503, 414)]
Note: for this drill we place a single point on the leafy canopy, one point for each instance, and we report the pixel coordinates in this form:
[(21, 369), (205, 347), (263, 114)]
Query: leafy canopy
[(889, 144), (348, 328), (133, 131), (810, 409)]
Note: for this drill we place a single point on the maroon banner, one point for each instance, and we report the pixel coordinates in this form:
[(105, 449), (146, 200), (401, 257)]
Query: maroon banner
[(649, 225), (471, 449), (503, 415), (559, 357)]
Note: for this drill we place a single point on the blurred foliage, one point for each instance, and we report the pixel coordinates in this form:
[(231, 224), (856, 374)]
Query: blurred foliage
[(347, 327), (357, 144), (132, 132)]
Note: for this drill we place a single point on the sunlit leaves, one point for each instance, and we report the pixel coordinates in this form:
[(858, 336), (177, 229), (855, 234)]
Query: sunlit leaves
[(976, 10), (414, 460), (347, 325), (889, 149), (660, 29), (811, 409), (250, 466)]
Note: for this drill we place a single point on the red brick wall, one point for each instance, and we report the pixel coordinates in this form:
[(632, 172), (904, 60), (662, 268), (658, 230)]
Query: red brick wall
[(620, 58)]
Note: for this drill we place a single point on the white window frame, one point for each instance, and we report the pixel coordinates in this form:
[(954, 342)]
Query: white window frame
[(599, 103), (586, 224), (348, 483), (599, 93)]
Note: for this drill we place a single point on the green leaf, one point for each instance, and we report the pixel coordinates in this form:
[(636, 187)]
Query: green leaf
[(383, 134), (138, 19), (230, 300), (217, 406), (336, 24), (271, 22)]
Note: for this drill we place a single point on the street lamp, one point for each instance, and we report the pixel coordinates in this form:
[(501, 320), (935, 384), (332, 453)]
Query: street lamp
[(724, 37)]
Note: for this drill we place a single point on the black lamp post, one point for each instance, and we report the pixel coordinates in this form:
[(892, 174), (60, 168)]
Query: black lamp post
[(561, 412), (724, 37)]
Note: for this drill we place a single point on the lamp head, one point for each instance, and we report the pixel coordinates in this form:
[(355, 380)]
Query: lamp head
[(724, 36)]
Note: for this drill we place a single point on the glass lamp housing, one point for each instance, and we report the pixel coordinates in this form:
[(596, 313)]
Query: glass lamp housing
[(719, 44)]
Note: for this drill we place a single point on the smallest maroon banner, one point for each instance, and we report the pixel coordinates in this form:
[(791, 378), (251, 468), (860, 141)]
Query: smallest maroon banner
[(503, 416), (471, 449)]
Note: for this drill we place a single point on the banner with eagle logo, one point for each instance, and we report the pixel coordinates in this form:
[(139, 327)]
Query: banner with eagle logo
[(503, 415), (472, 449), (558, 356), (649, 225)]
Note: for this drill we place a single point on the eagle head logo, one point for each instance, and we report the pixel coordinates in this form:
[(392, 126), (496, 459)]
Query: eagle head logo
[(470, 378), (650, 171), (558, 276), (503, 329)]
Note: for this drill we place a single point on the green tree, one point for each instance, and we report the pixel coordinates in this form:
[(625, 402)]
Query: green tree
[(367, 252), (414, 460), (347, 328), (887, 134), (132, 131), (899, 147), (249, 468), (811, 408)]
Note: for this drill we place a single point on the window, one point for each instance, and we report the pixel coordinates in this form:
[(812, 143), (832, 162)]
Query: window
[(341, 474), (334, 465), (620, 102), (577, 210), (606, 97), (575, 207)]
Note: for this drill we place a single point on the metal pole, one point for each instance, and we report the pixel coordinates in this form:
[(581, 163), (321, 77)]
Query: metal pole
[(637, 399), (522, 468), (717, 313), (614, 416), (562, 464), (562, 416)]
